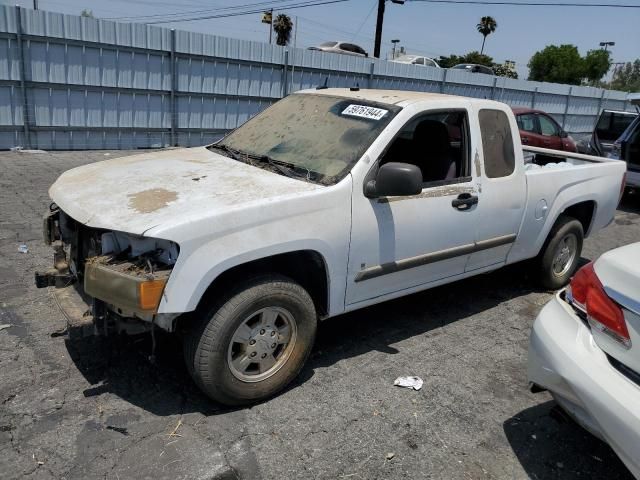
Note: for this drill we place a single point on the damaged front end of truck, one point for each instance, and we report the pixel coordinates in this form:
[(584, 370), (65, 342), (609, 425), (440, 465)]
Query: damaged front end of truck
[(106, 281)]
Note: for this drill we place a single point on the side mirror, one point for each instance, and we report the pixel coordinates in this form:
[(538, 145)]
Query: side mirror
[(394, 180), (563, 134)]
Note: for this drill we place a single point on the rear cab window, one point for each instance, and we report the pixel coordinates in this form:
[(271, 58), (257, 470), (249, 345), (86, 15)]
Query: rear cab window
[(497, 143)]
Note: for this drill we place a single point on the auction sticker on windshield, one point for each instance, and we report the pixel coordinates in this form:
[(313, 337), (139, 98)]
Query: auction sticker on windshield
[(363, 111)]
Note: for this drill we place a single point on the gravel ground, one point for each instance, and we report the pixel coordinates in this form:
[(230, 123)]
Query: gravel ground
[(97, 408)]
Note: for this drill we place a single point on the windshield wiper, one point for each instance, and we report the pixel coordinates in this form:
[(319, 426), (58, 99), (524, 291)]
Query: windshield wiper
[(284, 168), (233, 153)]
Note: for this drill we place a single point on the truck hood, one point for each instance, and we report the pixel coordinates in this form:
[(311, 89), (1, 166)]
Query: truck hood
[(134, 194)]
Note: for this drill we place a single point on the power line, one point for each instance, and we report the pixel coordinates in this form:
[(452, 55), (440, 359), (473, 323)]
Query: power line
[(365, 18), (267, 4), (248, 12), (530, 4), (177, 17)]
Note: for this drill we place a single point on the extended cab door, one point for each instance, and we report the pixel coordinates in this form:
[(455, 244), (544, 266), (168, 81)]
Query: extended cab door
[(504, 187), (402, 243)]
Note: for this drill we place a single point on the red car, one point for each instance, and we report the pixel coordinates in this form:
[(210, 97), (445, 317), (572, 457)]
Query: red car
[(539, 129)]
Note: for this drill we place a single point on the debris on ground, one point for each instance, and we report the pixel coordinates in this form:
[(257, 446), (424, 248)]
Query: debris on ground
[(5, 325), (22, 248), (408, 382), (174, 433), (390, 455)]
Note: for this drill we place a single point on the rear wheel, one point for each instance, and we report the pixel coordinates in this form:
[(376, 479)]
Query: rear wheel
[(558, 260), (253, 342)]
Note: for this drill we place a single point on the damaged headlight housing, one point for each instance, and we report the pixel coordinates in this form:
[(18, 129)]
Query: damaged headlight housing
[(131, 273)]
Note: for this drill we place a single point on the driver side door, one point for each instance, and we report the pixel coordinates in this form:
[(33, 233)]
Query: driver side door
[(402, 244)]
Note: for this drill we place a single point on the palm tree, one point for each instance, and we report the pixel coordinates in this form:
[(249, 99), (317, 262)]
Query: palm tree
[(486, 27), (282, 25)]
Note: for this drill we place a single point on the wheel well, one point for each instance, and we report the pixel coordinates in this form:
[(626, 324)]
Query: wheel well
[(583, 212), (307, 267)]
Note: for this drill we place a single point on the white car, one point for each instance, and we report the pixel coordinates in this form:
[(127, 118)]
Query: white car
[(344, 48), (328, 201), (416, 60), (585, 349)]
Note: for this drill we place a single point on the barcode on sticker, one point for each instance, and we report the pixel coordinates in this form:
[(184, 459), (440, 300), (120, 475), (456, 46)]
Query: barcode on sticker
[(365, 112)]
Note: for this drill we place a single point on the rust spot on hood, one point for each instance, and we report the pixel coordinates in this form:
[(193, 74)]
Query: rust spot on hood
[(151, 200)]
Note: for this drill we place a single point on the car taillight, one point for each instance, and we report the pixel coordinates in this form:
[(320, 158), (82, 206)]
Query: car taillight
[(586, 293)]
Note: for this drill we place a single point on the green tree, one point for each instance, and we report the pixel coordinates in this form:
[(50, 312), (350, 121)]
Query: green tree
[(486, 27), (450, 61), (87, 13), (282, 25), (471, 57), (596, 65), (478, 58), (560, 64), (627, 77), (503, 71)]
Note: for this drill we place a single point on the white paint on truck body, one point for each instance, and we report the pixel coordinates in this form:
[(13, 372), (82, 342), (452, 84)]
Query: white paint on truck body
[(223, 213)]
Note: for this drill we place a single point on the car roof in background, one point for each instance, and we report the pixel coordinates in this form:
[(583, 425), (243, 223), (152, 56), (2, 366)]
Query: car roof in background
[(522, 110)]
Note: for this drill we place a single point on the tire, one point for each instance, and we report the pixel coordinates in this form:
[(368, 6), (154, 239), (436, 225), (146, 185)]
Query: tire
[(219, 355), (550, 275)]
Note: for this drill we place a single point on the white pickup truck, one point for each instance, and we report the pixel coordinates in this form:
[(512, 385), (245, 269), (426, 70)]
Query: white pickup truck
[(328, 201)]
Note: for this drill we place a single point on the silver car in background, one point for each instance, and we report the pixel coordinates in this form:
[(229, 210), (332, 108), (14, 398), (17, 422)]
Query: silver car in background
[(416, 60), (344, 48), (585, 349)]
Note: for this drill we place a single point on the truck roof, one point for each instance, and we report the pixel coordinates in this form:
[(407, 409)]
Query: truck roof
[(391, 97)]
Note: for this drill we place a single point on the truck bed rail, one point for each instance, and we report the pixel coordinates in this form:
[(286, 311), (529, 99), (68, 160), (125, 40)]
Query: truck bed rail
[(562, 154)]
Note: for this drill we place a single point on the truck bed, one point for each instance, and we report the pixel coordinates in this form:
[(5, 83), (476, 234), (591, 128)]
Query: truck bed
[(559, 180)]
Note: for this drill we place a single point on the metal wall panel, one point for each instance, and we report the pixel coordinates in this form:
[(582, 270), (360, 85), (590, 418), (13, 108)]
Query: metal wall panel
[(98, 84)]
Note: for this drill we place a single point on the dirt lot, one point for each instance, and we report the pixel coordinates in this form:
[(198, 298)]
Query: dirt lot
[(99, 409)]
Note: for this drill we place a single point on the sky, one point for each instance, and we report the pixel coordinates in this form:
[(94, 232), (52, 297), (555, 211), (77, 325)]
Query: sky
[(424, 28)]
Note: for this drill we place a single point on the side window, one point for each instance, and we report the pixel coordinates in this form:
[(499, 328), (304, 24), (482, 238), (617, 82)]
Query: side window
[(527, 123), (497, 143), (348, 47), (429, 63), (419, 61), (437, 143), (548, 126)]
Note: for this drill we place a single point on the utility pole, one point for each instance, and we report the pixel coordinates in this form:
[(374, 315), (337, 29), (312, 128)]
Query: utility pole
[(380, 19), (35, 4), (378, 41)]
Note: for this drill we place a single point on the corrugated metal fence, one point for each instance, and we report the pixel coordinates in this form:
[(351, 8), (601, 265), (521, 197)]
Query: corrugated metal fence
[(69, 82)]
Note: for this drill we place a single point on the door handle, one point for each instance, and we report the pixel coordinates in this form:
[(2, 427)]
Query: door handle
[(464, 201), (524, 140)]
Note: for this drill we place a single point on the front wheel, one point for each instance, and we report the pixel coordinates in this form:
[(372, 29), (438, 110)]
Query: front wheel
[(560, 254), (253, 342)]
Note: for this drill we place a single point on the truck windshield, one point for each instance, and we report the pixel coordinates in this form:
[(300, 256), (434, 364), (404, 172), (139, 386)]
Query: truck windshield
[(320, 136)]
